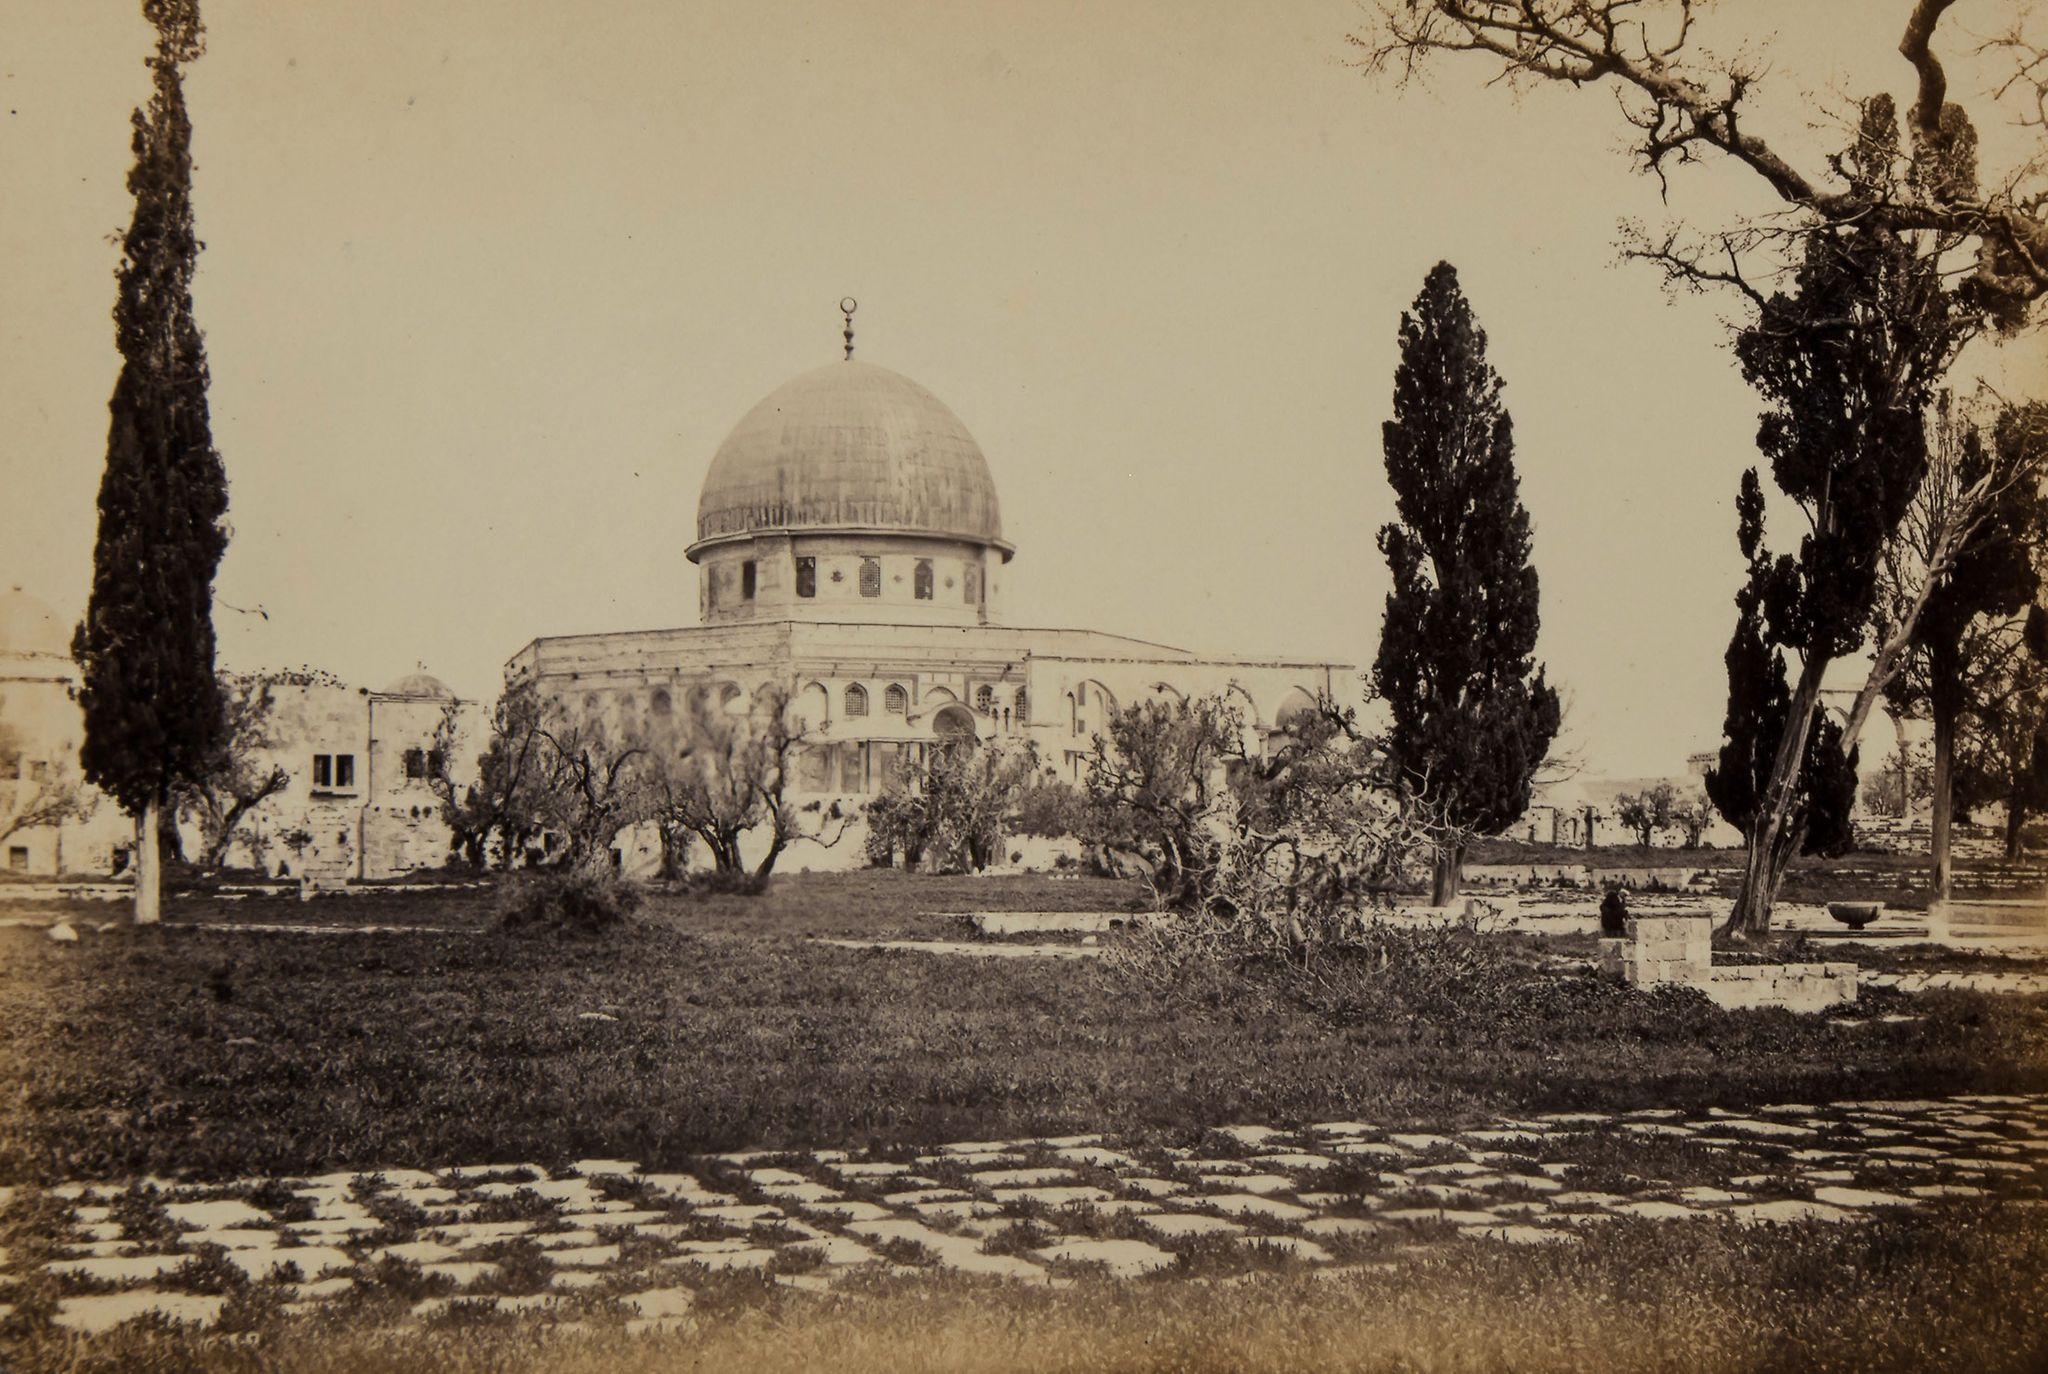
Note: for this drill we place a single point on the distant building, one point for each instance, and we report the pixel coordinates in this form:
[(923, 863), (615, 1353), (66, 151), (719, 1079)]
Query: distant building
[(40, 731), (849, 543), (357, 802), (1585, 813)]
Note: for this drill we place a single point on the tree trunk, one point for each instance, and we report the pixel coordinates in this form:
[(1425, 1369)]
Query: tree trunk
[(2015, 818), (149, 865), (1445, 874), (1764, 863), (1941, 871)]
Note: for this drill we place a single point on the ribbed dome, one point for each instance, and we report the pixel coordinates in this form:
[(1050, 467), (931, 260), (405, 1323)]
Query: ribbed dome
[(29, 628), (850, 446)]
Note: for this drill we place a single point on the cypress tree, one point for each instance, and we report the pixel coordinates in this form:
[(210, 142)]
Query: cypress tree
[(152, 705), (1846, 363), (1759, 706), (1472, 715)]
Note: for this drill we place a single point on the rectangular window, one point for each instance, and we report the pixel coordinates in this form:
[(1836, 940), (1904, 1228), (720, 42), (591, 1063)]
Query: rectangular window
[(806, 577), (870, 577), (971, 585), (344, 770), (17, 858), (415, 764), (923, 579), (323, 770), (437, 763), (747, 580)]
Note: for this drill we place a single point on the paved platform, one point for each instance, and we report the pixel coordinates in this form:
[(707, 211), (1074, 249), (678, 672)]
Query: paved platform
[(607, 1237)]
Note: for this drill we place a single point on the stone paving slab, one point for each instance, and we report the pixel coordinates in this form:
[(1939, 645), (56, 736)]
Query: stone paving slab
[(602, 1235)]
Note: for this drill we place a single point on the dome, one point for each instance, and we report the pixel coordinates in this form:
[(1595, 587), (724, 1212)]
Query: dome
[(30, 629), (850, 446), (419, 685)]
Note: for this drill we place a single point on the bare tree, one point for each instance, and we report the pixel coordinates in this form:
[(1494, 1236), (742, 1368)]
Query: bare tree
[(1648, 811), (241, 775), (589, 784), (1961, 574), (724, 767), (37, 793), (1687, 105), (955, 804), (1693, 815), (1317, 829), (504, 803), (1902, 782), (2003, 758), (1970, 485), (1154, 783)]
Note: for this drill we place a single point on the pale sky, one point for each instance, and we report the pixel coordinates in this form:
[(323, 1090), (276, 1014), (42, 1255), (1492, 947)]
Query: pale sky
[(487, 281)]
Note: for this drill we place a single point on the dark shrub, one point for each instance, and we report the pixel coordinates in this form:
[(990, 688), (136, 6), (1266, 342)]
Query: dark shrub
[(725, 883), (578, 901)]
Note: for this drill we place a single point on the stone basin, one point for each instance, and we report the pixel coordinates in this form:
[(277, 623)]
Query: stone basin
[(1855, 915)]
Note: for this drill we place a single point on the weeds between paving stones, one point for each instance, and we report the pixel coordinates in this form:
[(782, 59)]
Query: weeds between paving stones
[(903, 1250), (522, 1266)]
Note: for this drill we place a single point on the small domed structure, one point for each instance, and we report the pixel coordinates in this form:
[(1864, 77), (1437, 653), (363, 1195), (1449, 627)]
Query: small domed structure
[(420, 684), (30, 629), (849, 493)]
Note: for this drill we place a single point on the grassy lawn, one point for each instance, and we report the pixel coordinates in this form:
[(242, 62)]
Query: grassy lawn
[(720, 1023), (209, 1053)]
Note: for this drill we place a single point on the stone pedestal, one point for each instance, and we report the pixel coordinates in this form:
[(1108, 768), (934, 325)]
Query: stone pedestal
[(1670, 948), (1677, 950)]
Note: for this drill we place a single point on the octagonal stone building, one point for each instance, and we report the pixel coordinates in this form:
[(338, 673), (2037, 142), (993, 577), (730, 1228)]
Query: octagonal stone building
[(849, 543)]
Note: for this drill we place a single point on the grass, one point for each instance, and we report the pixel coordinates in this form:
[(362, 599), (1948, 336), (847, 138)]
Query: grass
[(1932, 1290), (203, 1053), (212, 1054)]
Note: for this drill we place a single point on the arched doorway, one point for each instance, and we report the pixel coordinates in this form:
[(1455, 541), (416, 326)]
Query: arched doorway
[(954, 729), (954, 724)]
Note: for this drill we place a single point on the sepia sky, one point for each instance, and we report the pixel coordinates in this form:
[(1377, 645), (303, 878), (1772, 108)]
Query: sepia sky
[(487, 281)]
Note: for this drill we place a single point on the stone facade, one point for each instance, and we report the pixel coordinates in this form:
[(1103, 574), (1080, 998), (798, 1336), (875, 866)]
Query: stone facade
[(357, 805)]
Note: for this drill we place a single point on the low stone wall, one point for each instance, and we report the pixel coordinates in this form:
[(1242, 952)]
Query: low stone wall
[(1795, 987), (1676, 950), (1590, 875), (1047, 922)]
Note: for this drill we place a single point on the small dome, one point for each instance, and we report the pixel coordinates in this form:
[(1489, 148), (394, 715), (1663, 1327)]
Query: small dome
[(30, 629), (850, 446), (419, 685)]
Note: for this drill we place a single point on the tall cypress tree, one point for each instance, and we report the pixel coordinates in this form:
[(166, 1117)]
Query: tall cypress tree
[(153, 713), (1472, 715)]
